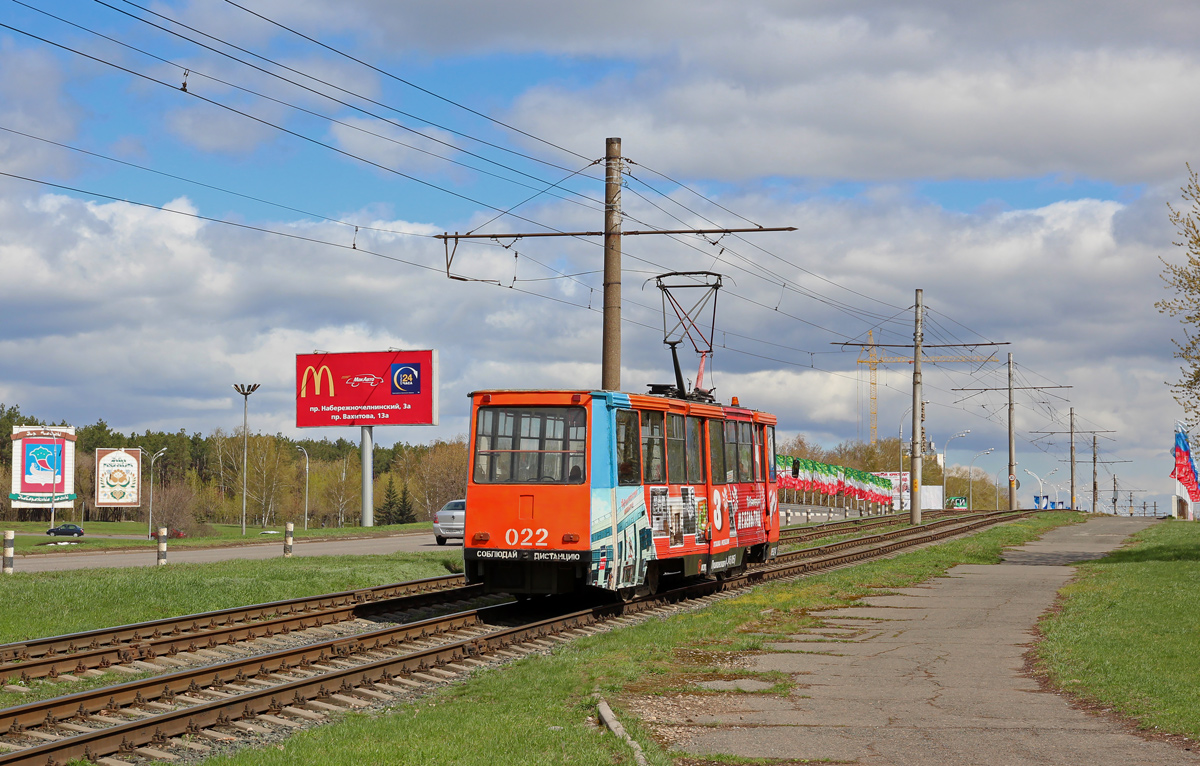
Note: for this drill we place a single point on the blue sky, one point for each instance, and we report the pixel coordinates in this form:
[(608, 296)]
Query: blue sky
[(1014, 162)]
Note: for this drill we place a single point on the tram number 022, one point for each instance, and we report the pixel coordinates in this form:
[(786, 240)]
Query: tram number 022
[(526, 536)]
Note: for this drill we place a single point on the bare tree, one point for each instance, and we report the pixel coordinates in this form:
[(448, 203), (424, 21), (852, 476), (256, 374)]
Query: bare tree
[(442, 474), (175, 507), (270, 473), (1185, 280), (340, 487), (226, 457)]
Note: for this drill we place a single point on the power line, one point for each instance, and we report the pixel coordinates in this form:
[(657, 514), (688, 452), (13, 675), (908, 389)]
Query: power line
[(406, 82), (270, 124), (196, 73)]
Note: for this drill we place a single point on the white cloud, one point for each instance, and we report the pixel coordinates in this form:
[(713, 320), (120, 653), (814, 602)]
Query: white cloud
[(31, 101)]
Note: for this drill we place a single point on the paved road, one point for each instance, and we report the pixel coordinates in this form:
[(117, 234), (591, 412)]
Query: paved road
[(52, 562), (933, 675)]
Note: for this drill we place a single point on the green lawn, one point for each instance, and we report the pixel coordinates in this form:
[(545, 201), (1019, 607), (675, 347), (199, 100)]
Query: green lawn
[(536, 711), (41, 604), (220, 535), (1127, 633), (95, 598)]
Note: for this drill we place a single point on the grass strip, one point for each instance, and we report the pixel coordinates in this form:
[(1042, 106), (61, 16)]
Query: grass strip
[(40, 604), (540, 710), (220, 535), (1124, 633)]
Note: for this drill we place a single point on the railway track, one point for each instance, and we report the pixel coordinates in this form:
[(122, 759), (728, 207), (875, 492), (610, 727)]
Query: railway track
[(190, 710), (183, 640), (796, 535)]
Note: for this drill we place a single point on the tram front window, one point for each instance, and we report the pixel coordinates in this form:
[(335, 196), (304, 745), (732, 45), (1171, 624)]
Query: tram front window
[(530, 445)]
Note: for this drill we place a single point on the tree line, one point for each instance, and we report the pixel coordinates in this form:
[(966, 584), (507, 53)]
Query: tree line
[(198, 480)]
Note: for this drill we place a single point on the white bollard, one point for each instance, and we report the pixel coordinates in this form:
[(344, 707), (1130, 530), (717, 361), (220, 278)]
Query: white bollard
[(162, 546), (9, 542), (288, 528)]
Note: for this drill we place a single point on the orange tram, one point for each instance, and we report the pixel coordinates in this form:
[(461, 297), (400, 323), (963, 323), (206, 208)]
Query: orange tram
[(574, 490)]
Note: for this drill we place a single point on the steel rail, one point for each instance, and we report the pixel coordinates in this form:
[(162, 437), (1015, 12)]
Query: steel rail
[(210, 637), (136, 632), (829, 527), (338, 683), (859, 541)]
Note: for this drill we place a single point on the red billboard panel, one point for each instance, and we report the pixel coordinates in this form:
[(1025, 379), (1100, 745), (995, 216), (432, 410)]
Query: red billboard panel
[(367, 388)]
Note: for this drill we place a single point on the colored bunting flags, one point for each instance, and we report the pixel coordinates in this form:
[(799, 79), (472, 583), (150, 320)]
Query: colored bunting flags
[(832, 479), (1185, 468)]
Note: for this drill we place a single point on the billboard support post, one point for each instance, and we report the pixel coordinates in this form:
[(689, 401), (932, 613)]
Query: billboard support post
[(368, 476)]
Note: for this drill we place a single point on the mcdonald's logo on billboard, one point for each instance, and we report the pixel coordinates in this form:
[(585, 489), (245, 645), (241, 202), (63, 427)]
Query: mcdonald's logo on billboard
[(367, 388), (317, 373)]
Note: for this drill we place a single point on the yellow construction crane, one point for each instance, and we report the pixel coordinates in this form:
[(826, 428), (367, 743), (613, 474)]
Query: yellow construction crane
[(873, 360)]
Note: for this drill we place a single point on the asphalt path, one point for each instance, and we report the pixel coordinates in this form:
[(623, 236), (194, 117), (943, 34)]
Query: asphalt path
[(931, 674), (57, 562)]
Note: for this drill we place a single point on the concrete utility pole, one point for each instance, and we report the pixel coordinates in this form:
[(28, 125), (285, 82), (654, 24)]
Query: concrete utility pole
[(1114, 494), (610, 354), (1072, 432), (610, 366), (1012, 429), (914, 482), (1095, 485), (1073, 506), (1012, 442)]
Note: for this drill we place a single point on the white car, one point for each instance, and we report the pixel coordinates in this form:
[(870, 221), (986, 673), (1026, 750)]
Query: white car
[(450, 521)]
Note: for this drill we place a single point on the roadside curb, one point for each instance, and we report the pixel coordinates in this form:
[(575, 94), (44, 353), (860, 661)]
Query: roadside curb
[(609, 719), (276, 540)]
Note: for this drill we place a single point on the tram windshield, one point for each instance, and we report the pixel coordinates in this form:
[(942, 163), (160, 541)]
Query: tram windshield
[(530, 445)]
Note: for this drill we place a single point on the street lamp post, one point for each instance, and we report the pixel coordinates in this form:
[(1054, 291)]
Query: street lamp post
[(971, 477), (945, 447), (245, 389), (150, 520), (1039, 479), (900, 468), (305, 484)]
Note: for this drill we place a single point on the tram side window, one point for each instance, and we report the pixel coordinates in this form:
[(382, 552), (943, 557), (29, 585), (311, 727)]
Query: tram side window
[(676, 450), (758, 442), (653, 460), (629, 458), (716, 450), (731, 452), (771, 453), (695, 451), (745, 452), (528, 445)]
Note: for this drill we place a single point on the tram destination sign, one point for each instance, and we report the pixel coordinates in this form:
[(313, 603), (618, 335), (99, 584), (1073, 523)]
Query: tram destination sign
[(367, 388)]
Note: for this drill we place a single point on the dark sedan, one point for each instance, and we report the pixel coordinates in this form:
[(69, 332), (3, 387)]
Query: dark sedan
[(68, 530)]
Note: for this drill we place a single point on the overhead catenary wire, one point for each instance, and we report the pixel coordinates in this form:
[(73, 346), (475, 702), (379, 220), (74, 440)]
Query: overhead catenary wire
[(313, 77), (320, 143), (760, 304), (595, 204), (409, 83), (268, 123)]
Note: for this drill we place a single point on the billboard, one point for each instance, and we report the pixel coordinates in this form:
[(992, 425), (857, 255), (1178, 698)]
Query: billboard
[(43, 466), (899, 496), (118, 478), (367, 388)]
